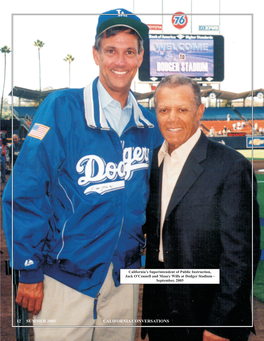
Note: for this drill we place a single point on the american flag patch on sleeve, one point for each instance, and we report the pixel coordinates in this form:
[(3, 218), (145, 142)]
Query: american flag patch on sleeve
[(38, 131)]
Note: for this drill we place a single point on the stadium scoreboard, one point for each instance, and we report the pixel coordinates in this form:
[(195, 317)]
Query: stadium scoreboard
[(197, 56)]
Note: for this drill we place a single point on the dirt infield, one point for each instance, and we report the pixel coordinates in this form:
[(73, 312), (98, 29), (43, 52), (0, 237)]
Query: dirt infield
[(9, 334), (258, 166)]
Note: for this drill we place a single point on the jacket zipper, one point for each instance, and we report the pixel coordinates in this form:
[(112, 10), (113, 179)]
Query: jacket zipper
[(63, 230)]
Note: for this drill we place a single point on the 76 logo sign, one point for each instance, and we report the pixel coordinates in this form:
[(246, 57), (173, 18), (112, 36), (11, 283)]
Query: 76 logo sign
[(179, 20)]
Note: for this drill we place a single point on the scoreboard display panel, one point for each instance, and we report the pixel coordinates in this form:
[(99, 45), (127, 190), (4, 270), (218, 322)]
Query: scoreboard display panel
[(196, 56)]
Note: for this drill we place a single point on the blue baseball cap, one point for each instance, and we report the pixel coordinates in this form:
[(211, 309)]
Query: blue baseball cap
[(121, 17)]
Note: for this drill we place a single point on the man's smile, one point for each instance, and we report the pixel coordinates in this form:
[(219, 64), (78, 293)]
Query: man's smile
[(119, 72), (174, 129)]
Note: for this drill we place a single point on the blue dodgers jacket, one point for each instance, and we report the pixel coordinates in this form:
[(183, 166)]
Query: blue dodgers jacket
[(79, 192)]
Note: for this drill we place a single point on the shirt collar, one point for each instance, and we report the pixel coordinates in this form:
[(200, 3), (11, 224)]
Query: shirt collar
[(106, 99), (94, 113), (181, 152)]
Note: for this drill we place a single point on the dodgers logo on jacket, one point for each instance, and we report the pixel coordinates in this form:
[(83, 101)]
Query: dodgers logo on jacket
[(96, 172)]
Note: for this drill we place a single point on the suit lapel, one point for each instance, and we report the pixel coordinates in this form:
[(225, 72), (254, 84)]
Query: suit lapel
[(154, 202), (190, 173)]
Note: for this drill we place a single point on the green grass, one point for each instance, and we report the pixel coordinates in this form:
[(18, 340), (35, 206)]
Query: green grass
[(260, 179), (259, 280)]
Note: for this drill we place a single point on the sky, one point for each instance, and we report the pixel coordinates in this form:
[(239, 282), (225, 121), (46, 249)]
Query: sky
[(68, 27)]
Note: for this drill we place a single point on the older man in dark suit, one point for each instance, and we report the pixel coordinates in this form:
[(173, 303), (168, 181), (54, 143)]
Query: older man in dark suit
[(202, 214)]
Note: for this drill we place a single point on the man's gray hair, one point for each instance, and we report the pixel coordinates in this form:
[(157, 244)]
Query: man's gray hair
[(112, 32), (174, 81)]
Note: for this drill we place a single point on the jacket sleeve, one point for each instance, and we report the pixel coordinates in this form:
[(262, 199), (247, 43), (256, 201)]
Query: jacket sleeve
[(26, 207), (240, 240)]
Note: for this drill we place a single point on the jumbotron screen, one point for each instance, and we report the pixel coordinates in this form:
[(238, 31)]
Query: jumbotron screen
[(196, 56)]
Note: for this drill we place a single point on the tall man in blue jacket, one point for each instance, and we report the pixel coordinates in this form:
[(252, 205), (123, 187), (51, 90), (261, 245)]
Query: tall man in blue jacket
[(201, 208), (80, 192)]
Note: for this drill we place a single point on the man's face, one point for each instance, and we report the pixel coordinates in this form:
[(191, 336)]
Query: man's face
[(118, 62), (177, 114), (15, 139)]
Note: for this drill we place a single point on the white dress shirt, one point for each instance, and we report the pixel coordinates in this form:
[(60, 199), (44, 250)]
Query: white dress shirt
[(117, 117), (172, 167)]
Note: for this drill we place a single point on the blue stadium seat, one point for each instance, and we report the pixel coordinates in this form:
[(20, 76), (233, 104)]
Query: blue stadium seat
[(219, 114), (258, 112), (21, 112)]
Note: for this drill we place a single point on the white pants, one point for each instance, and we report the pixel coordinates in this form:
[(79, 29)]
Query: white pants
[(73, 312)]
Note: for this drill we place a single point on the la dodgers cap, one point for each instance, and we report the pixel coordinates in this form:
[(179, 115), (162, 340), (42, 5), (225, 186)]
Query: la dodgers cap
[(121, 17)]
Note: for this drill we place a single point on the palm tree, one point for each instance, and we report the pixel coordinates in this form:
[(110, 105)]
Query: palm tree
[(39, 45), (69, 58), (4, 50)]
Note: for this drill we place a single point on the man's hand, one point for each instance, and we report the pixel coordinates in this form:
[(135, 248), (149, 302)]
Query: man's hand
[(30, 297), (207, 336)]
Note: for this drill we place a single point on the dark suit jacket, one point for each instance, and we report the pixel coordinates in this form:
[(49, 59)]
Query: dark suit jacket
[(208, 225)]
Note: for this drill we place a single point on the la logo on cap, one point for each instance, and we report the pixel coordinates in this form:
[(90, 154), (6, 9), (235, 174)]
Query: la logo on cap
[(121, 13)]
